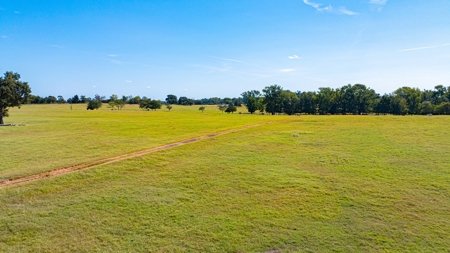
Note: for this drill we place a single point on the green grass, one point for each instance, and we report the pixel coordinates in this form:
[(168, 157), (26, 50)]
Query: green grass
[(55, 136), (344, 184)]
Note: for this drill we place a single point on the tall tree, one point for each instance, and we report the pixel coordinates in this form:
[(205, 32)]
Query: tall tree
[(171, 99), (13, 92), (412, 97), (273, 98), (250, 99)]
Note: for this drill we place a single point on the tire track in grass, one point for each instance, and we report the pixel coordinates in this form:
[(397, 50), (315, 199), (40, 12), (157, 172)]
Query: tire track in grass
[(88, 165)]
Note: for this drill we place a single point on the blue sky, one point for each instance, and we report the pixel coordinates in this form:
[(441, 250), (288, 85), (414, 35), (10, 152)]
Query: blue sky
[(201, 48)]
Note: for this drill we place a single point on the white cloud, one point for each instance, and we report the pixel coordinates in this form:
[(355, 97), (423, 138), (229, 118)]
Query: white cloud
[(344, 10), (148, 87), (212, 69), (93, 86), (317, 6), (128, 81), (329, 8), (17, 12), (112, 55), (286, 70), (422, 48), (4, 37), (380, 2), (292, 57), (232, 60)]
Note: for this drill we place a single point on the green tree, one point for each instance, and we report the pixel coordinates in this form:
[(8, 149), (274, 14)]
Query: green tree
[(383, 105), (399, 105), (290, 102), (231, 108), (13, 92), (250, 99), (154, 104), (426, 107), (169, 107), (171, 99), (325, 98), (149, 104), (75, 99), (61, 100), (134, 100), (115, 102), (412, 97), (273, 98), (185, 101), (443, 108), (222, 107), (94, 104)]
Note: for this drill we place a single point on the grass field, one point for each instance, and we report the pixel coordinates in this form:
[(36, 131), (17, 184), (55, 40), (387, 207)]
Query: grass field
[(55, 136), (299, 184)]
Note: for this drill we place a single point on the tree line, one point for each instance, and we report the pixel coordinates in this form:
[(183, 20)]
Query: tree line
[(349, 99), (171, 99)]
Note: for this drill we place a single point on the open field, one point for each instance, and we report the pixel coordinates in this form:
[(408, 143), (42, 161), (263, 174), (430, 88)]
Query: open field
[(300, 184), (56, 136)]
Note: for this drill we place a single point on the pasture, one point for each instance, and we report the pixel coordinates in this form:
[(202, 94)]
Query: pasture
[(298, 184)]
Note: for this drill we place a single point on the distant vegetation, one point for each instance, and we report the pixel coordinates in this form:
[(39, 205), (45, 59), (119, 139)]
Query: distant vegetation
[(349, 99)]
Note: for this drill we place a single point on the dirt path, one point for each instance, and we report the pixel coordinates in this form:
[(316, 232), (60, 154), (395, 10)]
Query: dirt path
[(93, 164)]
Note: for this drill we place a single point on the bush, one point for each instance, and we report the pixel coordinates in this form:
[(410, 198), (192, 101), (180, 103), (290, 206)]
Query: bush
[(94, 105)]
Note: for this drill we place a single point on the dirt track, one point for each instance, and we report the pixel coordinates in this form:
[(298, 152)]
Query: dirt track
[(89, 165)]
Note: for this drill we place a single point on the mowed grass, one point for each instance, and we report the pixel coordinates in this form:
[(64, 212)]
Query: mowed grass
[(309, 184), (55, 136)]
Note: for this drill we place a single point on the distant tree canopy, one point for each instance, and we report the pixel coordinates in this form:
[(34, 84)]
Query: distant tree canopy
[(149, 104), (251, 100), (13, 92), (171, 99), (349, 99)]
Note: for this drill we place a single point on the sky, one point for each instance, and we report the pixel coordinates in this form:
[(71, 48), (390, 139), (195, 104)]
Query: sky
[(204, 48)]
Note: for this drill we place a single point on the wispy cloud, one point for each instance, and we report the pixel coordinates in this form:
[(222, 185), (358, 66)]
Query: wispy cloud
[(4, 37), (148, 87), (57, 46), (112, 55), (113, 60), (232, 60), (422, 48), (211, 69), (128, 81), (346, 11), (286, 70), (380, 2), (329, 8), (317, 6), (258, 76), (16, 12), (293, 57)]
